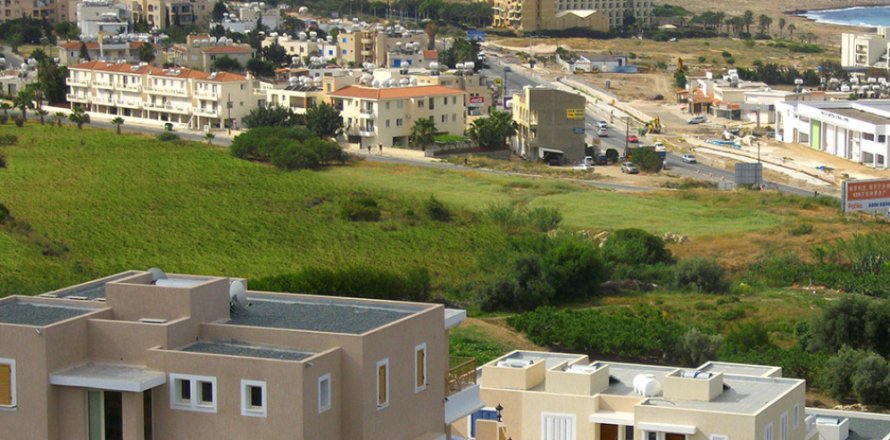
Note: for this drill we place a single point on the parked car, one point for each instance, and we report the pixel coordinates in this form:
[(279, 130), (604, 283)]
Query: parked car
[(629, 168), (633, 139), (698, 120), (602, 132), (688, 158), (602, 159), (658, 145), (602, 124), (582, 167)]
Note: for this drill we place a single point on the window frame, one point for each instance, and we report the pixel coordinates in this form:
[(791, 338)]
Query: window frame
[(13, 405), (795, 417), (322, 408), (385, 403), (247, 408), (195, 403), (768, 431), (418, 349), (783, 426)]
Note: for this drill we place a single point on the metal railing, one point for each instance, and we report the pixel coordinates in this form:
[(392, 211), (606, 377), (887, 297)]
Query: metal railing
[(461, 374)]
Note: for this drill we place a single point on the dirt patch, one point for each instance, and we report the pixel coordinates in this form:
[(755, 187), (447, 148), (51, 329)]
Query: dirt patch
[(498, 330)]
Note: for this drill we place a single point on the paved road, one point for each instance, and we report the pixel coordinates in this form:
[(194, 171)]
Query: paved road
[(13, 61)]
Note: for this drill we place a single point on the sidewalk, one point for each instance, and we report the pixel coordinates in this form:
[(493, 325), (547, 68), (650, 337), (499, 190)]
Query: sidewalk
[(389, 152)]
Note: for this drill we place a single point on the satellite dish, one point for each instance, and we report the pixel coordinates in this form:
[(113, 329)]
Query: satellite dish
[(157, 274), (238, 295)]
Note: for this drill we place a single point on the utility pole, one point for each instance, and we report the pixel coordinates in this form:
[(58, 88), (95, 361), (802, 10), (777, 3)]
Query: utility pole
[(626, 134), (506, 70)]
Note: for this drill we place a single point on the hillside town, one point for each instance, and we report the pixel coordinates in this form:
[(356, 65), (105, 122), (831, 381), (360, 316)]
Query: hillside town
[(508, 219)]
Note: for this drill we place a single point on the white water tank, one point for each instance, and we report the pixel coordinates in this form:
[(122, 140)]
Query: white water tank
[(646, 385)]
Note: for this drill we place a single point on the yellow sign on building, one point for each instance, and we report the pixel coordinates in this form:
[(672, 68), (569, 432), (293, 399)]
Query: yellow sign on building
[(575, 113)]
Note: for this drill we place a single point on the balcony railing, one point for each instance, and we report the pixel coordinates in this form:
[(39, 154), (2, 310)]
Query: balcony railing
[(77, 82), (127, 86), (461, 374), (206, 94), (71, 97)]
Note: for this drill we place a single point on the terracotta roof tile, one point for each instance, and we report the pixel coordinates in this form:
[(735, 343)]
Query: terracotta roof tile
[(430, 55), (157, 71), (395, 92), (92, 45)]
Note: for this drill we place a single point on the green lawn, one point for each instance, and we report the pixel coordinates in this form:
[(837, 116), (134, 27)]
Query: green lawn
[(122, 202)]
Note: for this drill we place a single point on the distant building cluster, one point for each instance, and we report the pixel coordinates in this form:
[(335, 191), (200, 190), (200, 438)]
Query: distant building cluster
[(595, 15)]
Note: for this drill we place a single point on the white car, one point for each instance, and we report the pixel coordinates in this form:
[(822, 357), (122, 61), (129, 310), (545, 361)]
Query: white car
[(688, 158), (602, 132), (602, 124), (582, 167), (698, 120)]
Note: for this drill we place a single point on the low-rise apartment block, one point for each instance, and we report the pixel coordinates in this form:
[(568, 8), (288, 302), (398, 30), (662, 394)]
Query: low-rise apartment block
[(201, 52), (855, 130), (303, 48), (861, 51), (142, 355), (54, 11), (105, 17), (179, 96), (597, 15), (161, 14), (384, 115), (108, 49), (550, 125), (371, 45), (555, 396)]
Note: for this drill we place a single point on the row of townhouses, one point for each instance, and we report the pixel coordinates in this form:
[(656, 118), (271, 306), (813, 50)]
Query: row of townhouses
[(597, 15), (144, 355)]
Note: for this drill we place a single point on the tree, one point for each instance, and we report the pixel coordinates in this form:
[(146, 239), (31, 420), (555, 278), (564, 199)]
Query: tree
[(275, 54), (325, 120), (764, 22), (492, 131), (209, 136), (52, 78), (24, 100), (701, 274), (5, 107), (67, 30), (260, 68), (423, 133), (855, 321), (79, 116), (59, 117), (680, 79), (782, 27), (14, 41), (146, 52), (84, 52), (836, 377), (869, 379), (461, 51), (635, 247), (226, 63), (431, 28), (219, 11), (696, 347), (271, 116), (748, 20), (791, 29), (118, 121), (42, 113)]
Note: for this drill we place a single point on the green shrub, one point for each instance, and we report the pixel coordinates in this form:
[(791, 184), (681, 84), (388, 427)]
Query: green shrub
[(869, 379), (695, 348), (540, 219), (802, 229), (661, 274), (436, 210), (167, 136), (701, 274), (726, 54), (702, 59), (836, 377), (259, 143), (648, 160), (4, 119), (361, 282), (293, 155), (19, 121), (544, 219), (8, 139), (635, 247), (2, 159), (4, 214), (777, 270), (361, 209)]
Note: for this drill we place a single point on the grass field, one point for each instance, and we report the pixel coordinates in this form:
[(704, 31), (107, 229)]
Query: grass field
[(121, 202)]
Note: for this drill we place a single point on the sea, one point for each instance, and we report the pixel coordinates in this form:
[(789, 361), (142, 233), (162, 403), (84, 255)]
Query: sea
[(867, 16)]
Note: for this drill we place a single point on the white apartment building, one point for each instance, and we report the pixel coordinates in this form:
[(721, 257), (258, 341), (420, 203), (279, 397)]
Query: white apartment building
[(385, 115), (854, 130), (865, 50), (615, 10), (561, 396), (108, 49), (302, 48), (183, 97), (105, 16)]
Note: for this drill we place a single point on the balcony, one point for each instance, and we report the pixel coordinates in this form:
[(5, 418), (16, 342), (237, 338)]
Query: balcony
[(128, 103), (203, 111), (165, 106), (76, 98), (365, 113), (461, 389), (175, 91), (207, 94), (102, 84), (366, 41), (366, 133), (77, 82), (366, 53), (99, 99), (127, 86)]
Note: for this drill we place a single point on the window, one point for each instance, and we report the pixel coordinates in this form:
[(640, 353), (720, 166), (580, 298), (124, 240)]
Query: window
[(387, 105), (868, 136), (324, 393), (882, 138), (557, 426), (383, 384), (420, 368), (193, 393), (398, 122), (768, 432), (719, 437), (7, 383), (783, 426), (454, 117), (444, 118), (387, 123), (253, 398), (420, 104), (795, 415)]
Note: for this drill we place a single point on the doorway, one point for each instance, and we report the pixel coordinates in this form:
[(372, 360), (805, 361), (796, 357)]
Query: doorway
[(608, 432), (105, 415), (670, 436)]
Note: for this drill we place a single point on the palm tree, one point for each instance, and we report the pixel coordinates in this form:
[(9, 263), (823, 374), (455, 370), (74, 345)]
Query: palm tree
[(5, 107), (59, 117), (491, 132), (42, 113), (423, 133), (764, 22), (118, 121), (209, 136), (791, 29), (24, 100), (748, 20), (79, 117), (782, 27)]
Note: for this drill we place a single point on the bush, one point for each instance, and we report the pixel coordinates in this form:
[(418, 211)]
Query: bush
[(701, 274), (8, 139), (4, 214), (777, 270), (293, 155), (635, 247), (836, 378), (726, 54), (259, 143), (647, 159), (2, 159), (869, 379), (856, 322), (612, 155), (19, 121), (287, 148), (802, 229), (4, 119), (436, 210), (540, 219), (168, 136), (361, 209), (696, 347), (360, 282)]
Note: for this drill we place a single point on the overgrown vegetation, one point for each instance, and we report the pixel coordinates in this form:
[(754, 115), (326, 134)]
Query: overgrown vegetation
[(288, 148)]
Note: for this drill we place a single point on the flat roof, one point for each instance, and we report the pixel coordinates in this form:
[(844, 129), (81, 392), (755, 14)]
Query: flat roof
[(111, 377), (863, 426), (92, 290), (738, 369), (38, 313), (550, 359), (234, 348), (864, 116), (334, 315), (741, 394)]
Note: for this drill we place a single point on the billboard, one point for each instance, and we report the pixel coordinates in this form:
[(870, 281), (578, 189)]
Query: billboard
[(747, 174), (575, 113), (865, 195), (477, 100)]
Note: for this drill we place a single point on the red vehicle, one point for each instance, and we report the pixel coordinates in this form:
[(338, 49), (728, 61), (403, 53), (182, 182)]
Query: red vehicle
[(633, 139)]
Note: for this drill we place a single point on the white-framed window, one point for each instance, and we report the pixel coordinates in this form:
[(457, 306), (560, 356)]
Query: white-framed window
[(795, 415), (783, 426), (420, 368), (399, 122), (7, 384), (253, 398), (556, 426), (719, 437), (192, 393), (768, 431), (324, 393), (383, 384)]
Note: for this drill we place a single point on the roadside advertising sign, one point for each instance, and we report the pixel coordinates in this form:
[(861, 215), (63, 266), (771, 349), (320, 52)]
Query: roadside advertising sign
[(575, 113), (865, 195)]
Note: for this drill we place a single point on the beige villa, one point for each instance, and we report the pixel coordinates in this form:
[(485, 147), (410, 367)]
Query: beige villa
[(145, 355)]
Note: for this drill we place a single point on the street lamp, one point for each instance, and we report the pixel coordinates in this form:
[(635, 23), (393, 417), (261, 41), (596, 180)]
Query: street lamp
[(506, 70), (499, 408)]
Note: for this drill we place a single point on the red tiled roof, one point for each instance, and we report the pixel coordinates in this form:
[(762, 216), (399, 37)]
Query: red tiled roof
[(430, 55), (156, 71), (92, 45), (394, 93)]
